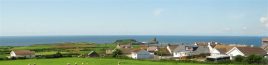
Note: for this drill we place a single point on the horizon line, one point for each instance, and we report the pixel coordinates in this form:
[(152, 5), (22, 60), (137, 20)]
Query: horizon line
[(132, 35)]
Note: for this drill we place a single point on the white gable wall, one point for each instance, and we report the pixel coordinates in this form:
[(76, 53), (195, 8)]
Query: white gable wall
[(134, 55), (12, 54), (214, 52), (234, 52), (169, 50)]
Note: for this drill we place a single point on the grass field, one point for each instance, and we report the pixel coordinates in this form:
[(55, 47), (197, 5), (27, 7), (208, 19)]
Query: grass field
[(92, 61)]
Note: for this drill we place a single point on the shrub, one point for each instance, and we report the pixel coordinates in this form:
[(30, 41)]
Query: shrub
[(116, 53), (3, 58), (13, 58), (21, 58), (70, 55), (224, 62), (254, 59), (264, 61), (239, 58), (57, 55)]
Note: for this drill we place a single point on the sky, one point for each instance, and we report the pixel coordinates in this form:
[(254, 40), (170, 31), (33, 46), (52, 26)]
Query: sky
[(134, 17)]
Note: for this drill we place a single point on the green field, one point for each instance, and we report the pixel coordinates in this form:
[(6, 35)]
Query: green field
[(91, 61)]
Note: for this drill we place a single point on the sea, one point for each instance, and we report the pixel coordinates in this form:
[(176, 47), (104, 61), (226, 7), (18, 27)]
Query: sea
[(31, 40)]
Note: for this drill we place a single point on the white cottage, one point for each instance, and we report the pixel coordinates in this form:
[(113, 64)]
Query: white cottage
[(182, 51), (141, 54), (246, 51), (22, 53)]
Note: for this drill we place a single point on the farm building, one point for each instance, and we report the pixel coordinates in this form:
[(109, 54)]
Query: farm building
[(22, 53), (93, 54)]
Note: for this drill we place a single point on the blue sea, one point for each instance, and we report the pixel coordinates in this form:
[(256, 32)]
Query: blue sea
[(30, 40)]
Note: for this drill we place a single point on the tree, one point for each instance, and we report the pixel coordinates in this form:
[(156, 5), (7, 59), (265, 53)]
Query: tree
[(57, 55), (116, 53), (239, 58), (264, 61), (254, 59)]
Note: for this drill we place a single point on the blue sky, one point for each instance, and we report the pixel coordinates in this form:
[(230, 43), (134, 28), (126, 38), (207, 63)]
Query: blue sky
[(134, 17)]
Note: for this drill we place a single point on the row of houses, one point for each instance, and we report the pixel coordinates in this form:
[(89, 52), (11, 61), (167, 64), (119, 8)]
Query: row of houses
[(151, 50), (211, 50)]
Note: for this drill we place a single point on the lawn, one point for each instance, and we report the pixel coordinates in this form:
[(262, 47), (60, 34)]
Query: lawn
[(91, 61)]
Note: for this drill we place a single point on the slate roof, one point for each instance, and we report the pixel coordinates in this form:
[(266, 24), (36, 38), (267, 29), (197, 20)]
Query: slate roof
[(212, 44), (201, 50), (92, 54), (182, 48), (179, 48), (173, 47), (252, 50), (164, 51), (140, 51)]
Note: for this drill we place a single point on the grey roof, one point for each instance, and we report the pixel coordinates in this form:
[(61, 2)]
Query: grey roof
[(182, 48), (201, 50), (179, 48)]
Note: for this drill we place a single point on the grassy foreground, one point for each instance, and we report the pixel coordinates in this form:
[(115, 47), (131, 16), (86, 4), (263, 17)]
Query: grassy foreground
[(89, 61)]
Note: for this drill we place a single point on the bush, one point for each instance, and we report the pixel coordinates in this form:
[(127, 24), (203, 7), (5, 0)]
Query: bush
[(13, 58), (239, 58), (264, 61), (57, 55), (254, 59), (70, 55), (3, 58), (21, 58), (116, 53), (224, 62)]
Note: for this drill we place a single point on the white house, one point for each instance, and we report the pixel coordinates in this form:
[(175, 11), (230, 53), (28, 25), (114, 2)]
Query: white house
[(214, 52), (246, 51), (182, 51), (141, 54), (22, 53)]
